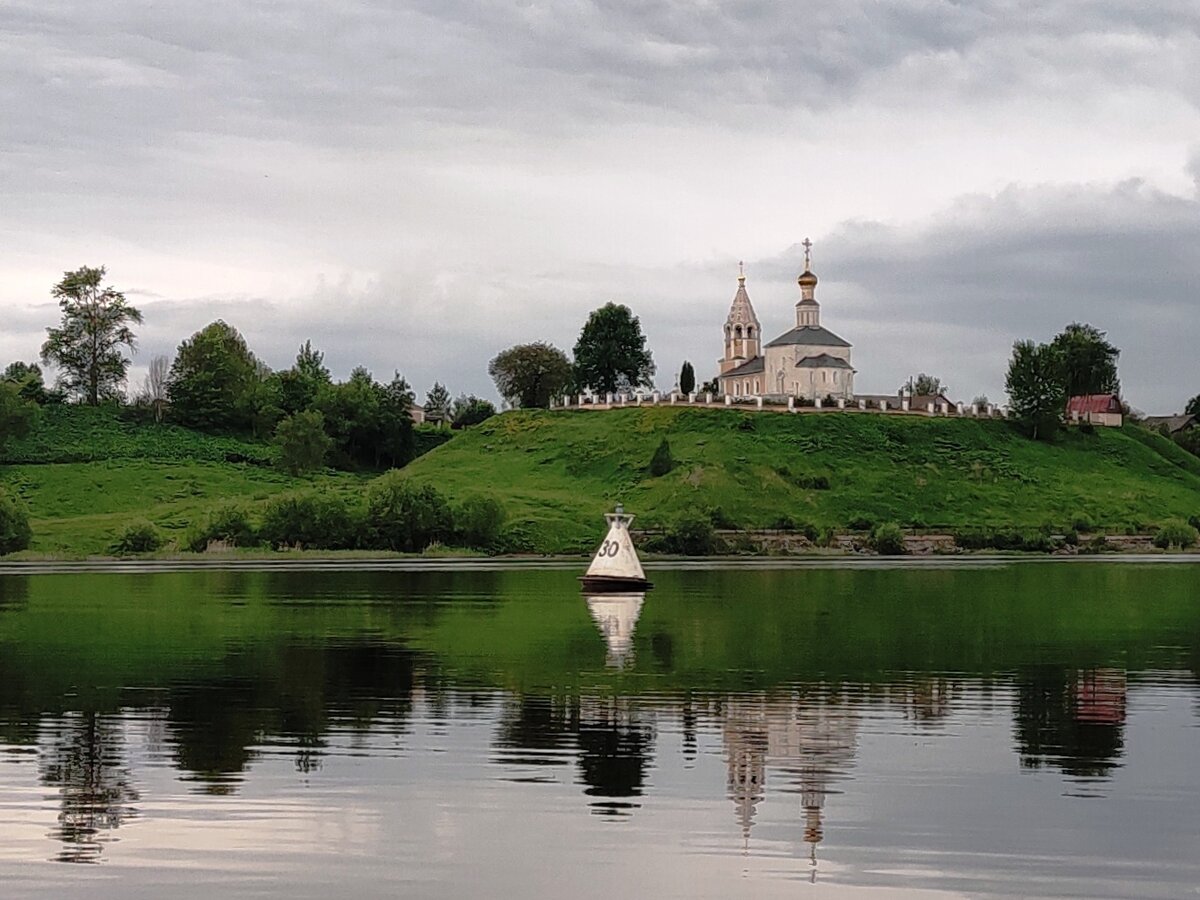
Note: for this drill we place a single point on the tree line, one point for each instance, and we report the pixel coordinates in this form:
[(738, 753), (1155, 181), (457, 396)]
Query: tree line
[(215, 383)]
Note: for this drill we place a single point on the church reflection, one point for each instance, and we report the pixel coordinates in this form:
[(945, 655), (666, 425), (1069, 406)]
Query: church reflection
[(807, 742)]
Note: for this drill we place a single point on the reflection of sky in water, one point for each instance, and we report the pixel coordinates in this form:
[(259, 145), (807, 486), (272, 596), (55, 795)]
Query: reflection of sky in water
[(741, 802), (324, 760)]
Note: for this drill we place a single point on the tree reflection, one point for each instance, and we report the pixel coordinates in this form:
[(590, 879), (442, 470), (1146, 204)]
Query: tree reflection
[(1070, 719), (83, 758)]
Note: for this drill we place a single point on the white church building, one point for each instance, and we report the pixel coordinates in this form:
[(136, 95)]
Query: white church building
[(807, 362)]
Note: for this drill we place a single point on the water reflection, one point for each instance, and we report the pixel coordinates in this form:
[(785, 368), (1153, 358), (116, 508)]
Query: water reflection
[(800, 718), (616, 615)]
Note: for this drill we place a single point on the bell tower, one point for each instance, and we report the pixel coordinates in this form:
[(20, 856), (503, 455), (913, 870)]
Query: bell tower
[(808, 310), (743, 337)]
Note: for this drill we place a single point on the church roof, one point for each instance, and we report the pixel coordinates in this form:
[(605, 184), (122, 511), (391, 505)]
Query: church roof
[(809, 335), (823, 361), (741, 311), (749, 367)]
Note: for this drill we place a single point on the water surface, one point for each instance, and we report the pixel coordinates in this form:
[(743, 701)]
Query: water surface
[(1016, 729)]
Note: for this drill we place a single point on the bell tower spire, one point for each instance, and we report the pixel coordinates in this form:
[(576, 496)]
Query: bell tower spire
[(743, 337), (808, 311)]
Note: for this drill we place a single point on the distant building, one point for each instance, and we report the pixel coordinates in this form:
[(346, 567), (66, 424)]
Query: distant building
[(1173, 424), (807, 362), (1097, 409)]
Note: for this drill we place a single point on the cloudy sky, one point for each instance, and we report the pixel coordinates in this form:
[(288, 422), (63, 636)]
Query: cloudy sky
[(418, 185)]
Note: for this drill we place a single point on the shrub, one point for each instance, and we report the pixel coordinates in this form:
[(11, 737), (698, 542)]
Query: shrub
[(1083, 522), (310, 520), (887, 538), (477, 522), (1005, 540), (662, 462), (783, 523), (302, 441), (229, 524), (692, 536), (15, 533), (1194, 521), (1176, 533), (138, 537), (406, 517), (812, 482), (746, 423), (860, 523), (827, 536), (720, 519)]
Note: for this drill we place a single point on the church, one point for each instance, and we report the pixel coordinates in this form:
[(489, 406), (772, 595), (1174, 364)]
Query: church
[(808, 362)]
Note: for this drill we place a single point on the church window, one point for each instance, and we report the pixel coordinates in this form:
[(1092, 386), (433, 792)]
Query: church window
[(737, 331), (750, 331)]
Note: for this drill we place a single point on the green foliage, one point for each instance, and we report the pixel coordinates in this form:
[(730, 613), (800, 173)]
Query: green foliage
[(1089, 362), (29, 383), (887, 539), (662, 462), (1083, 522), (1036, 387), (478, 521), (213, 382), (17, 414), (86, 347), (611, 353), (227, 524), (303, 443), (15, 533), (1193, 406), (403, 515), (529, 375), (1176, 533), (1005, 539), (437, 404), (687, 378), (311, 520), (924, 386), (137, 537), (692, 535), (981, 401), (470, 410)]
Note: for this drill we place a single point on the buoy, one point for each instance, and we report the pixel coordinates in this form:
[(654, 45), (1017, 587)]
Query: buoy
[(616, 566)]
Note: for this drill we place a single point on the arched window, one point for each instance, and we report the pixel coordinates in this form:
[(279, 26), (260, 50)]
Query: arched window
[(750, 331), (737, 331), (756, 388), (727, 329)]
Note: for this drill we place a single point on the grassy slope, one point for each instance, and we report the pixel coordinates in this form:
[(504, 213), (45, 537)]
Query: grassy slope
[(557, 472), (85, 474)]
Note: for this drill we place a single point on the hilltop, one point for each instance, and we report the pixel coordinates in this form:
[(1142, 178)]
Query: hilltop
[(557, 472)]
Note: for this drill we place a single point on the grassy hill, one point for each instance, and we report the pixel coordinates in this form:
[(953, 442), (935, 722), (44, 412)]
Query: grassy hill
[(85, 473), (558, 471)]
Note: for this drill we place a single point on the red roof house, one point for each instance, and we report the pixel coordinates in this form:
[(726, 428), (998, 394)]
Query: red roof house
[(1098, 409)]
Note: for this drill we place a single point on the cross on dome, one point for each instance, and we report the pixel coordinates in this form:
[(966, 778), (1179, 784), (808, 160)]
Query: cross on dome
[(807, 245)]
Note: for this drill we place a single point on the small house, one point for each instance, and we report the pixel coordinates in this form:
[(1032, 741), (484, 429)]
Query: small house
[(1172, 425), (1096, 409)]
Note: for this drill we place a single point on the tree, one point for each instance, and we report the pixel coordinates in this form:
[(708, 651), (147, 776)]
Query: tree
[(923, 386), (437, 403), (396, 445), (212, 382), (611, 352), (1089, 362), (470, 410), (528, 375), (303, 443), (687, 378), (155, 388), (981, 401), (87, 346), (1036, 388), (352, 417), (302, 384), (1193, 406), (15, 533), (30, 384), (16, 413)]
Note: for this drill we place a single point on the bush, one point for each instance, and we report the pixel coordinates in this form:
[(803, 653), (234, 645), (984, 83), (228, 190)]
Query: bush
[(138, 537), (1083, 522), (887, 538), (229, 524), (827, 537), (783, 523), (691, 536), (860, 523), (1176, 533), (746, 423), (405, 517), (477, 522), (1194, 521), (1005, 540), (720, 519), (662, 462), (15, 533), (311, 520), (302, 441)]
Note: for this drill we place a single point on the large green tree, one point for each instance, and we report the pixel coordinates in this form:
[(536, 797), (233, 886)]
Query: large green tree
[(16, 413), (302, 441), (87, 346), (611, 353), (1089, 362), (29, 381), (924, 385), (438, 406), (528, 375), (214, 380), (1037, 388), (1193, 406), (687, 378)]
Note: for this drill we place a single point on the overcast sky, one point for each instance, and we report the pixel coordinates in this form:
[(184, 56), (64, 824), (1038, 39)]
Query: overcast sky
[(419, 185)]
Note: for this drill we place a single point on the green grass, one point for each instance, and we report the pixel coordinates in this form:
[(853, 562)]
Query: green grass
[(557, 472)]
